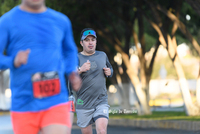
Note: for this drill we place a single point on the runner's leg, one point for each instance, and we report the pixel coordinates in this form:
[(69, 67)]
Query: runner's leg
[(101, 125), (85, 120), (26, 122), (87, 130), (72, 117), (101, 117), (56, 120), (56, 129)]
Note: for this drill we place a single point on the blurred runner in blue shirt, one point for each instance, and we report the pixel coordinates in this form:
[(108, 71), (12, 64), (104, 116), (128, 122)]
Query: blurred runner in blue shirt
[(40, 49)]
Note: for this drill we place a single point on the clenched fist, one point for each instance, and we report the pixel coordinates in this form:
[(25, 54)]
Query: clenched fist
[(85, 67), (107, 71), (21, 58)]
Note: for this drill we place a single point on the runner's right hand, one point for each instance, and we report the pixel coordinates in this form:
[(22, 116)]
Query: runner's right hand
[(86, 66), (21, 58)]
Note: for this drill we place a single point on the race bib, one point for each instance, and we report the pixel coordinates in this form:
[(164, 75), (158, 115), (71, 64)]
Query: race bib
[(45, 84)]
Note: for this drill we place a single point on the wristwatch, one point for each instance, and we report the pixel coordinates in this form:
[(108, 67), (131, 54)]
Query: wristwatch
[(79, 68)]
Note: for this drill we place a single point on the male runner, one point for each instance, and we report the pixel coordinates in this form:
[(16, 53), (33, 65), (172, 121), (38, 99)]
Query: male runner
[(40, 49), (92, 104)]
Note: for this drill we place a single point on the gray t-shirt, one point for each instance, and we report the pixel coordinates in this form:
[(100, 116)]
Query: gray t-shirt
[(93, 91)]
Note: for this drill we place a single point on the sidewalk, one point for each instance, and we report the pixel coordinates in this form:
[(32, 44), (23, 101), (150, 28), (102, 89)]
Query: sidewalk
[(5, 124)]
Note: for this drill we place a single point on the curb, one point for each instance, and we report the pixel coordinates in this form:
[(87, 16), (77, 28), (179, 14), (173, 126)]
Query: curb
[(165, 124)]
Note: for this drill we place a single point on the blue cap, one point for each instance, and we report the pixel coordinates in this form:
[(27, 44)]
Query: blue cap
[(87, 33)]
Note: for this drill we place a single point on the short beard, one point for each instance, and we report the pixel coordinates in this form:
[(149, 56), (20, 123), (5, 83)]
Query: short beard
[(35, 7)]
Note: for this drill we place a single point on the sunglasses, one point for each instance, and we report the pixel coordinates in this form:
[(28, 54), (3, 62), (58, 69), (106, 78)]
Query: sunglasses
[(88, 32), (91, 32)]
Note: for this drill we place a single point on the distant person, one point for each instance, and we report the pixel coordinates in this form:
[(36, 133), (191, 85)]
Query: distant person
[(92, 102), (40, 50)]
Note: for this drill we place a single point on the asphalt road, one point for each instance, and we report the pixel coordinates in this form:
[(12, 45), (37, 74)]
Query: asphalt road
[(6, 128)]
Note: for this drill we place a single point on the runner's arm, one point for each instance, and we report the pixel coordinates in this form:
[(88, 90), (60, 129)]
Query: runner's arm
[(109, 66), (6, 61), (69, 50), (70, 57)]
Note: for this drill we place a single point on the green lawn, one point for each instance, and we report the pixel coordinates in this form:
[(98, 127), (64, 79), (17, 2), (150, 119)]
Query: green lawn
[(157, 116)]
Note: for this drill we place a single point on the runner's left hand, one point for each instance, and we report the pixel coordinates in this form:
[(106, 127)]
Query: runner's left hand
[(107, 71)]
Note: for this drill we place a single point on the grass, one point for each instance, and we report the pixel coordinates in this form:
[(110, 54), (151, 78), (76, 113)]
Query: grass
[(158, 116)]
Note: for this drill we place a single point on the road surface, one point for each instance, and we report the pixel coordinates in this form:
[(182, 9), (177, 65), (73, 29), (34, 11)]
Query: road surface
[(6, 128)]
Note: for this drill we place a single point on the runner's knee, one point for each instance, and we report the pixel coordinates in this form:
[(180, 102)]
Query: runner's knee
[(87, 130), (101, 131)]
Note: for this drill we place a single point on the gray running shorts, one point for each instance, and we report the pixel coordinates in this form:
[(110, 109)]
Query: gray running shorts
[(85, 117)]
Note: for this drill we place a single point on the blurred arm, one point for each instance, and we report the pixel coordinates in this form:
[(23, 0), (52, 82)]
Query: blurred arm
[(5, 61)]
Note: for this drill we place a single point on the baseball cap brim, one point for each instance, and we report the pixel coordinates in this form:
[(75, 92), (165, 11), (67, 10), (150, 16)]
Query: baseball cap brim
[(87, 33)]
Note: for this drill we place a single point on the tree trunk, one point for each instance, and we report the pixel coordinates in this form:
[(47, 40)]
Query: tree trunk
[(126, 102), (144, 69), (198, 88), (136, 82), (143, 93), (125, 93), (190, 108)]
